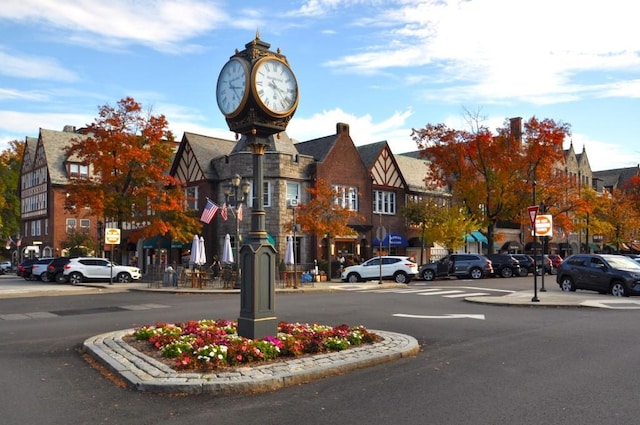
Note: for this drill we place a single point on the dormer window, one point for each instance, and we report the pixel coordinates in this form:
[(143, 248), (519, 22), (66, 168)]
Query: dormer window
[(78, 171)]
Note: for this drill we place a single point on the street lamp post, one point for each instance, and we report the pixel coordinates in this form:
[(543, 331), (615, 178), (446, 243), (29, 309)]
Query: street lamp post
[(294, 204), (236, 184), (535, 243)]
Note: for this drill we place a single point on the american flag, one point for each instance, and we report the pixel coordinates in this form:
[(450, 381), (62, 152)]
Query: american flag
[(223, 213), (209, 212), (239, 212)]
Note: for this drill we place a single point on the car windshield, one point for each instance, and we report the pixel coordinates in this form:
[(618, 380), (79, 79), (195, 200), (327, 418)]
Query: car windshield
[(623, 263)]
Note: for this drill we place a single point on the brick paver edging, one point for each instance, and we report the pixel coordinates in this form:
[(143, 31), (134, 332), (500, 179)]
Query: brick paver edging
[(146, 374)]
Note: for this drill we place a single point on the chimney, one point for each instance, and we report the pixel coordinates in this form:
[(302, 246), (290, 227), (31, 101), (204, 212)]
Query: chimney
[(342, 128), (516, 128), (69, 129)]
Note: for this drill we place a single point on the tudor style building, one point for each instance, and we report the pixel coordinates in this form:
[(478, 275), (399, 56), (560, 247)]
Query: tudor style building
[(45, 173)]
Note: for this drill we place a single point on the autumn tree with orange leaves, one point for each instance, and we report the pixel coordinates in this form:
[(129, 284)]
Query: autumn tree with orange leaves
[(491, 174), (129, 152), (323, 216)]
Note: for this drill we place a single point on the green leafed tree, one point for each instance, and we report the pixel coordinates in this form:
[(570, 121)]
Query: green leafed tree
[(10, 163)]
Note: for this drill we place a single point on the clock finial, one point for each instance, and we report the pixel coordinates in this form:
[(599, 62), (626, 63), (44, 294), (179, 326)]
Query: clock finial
[(257, 34)]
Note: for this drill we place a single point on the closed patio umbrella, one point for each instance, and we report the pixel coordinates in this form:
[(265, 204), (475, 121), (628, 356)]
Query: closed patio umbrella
[(195, 248), (227, 253), (202, 255)]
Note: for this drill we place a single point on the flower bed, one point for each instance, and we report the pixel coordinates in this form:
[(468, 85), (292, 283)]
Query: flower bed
[(214, 344)]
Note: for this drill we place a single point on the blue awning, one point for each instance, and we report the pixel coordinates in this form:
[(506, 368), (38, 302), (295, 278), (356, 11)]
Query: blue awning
[(392, 239), (476, 236)]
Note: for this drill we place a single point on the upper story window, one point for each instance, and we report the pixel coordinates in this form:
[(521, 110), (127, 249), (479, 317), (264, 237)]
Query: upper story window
[(78, 171), (293, 191), (191, 193), (72, 223), (384, 202), (346, 197)]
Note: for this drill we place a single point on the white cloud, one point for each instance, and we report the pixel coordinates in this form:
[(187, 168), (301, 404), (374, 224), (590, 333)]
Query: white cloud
[(24, 66), (160, 24), (496, 50)]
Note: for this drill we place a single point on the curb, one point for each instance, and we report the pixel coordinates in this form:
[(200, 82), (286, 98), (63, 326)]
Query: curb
[(146, 374)]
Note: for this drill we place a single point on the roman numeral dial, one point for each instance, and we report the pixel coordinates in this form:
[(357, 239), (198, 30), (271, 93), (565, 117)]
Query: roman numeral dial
[(275, 87)]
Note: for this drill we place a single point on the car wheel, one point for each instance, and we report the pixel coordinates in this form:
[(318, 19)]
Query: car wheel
[(401, 277), (124, 277), (353, 278), (618, 289), (476, 273), (428, 274), (75, 278), (566, 284), (60, 278), (506, 272), (44, 277)]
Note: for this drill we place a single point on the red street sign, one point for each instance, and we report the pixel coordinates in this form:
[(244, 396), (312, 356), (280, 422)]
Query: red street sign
[(533, 213)]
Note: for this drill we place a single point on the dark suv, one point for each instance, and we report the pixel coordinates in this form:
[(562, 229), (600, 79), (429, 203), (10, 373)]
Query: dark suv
[(474, 266), (55, 269), (504, 265), (605, 273), (543, 262), (526, 264)]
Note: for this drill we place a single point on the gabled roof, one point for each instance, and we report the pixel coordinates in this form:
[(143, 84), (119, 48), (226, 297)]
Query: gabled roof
[(369, 153), (279, 142), (54, 144), (317, 148), (204, 149), (617, 177), (414, 172)]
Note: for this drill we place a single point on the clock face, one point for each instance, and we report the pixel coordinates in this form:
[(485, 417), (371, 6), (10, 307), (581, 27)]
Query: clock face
[(275, 87), (231, 91)]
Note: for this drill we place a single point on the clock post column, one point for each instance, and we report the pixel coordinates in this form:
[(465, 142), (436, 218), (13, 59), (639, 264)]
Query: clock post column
[(258, 96), (257, 294)]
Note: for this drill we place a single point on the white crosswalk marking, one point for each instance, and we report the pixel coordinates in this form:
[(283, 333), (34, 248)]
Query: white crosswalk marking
[(467, 294), (440, 292), (445, 292)]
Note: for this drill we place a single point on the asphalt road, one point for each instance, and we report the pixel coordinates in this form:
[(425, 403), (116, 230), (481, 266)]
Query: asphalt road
[(479, 364)]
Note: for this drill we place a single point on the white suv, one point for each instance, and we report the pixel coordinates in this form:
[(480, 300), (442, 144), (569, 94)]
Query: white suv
[(84, 269), (39, 269), (400, 269)]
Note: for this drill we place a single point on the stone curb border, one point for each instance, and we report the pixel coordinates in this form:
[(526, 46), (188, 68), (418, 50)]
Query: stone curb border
[(147, 374)]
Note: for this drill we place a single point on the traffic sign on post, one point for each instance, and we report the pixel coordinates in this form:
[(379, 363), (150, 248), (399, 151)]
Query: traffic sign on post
[(544, 225), (533, 213), (112, 236)]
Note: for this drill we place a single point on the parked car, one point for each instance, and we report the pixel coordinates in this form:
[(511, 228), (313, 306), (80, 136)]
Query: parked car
[(605, 273), (401, 269), (475, 266), (86, 269), (24, 268), (504, 265), (556, 260), (39, 269), (6, 267), (55, 269), (544, 263), (526, 264)]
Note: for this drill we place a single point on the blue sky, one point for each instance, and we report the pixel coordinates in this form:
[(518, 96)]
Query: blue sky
[(383, 67)]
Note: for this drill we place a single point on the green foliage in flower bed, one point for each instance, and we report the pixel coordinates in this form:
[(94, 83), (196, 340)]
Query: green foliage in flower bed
[(210, 344)]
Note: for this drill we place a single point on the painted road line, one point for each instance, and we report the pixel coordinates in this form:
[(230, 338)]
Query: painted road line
[(446, 316), (467, 294)]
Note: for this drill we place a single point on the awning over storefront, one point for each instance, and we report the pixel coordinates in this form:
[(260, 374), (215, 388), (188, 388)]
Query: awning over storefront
[(593, 247), (393, 240), (160, 242), (511, 246), (635, 246), (476, 236)]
